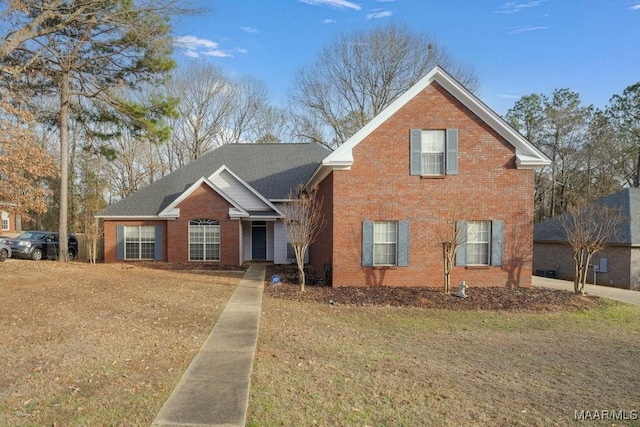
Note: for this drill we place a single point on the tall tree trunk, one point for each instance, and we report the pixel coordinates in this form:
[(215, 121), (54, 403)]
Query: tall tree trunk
[(63, 248), (637, 177)]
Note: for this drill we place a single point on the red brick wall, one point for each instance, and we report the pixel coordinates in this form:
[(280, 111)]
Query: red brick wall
[(321, 251), (378, 187), (110, 242), (204, 202)]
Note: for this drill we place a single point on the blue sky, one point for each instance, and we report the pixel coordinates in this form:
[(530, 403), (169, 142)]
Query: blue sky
[(516, 47)]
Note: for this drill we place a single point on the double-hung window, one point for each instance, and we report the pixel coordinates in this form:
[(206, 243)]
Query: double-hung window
[(385, 243), (204, 240), (434, 152), (483, 243), (385, 240), (5, 220), (478, 242), (139, 242)]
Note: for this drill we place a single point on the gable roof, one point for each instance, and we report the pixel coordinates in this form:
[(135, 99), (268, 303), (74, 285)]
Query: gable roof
[(272, 170), (626, 200), (527, 155)]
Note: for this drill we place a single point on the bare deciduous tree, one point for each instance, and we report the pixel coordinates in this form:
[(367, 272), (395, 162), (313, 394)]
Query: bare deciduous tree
[(588, 229), (445, 233), (357, 75), (303, 219)]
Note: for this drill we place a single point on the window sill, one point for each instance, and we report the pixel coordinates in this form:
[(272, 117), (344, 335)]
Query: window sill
[(478, 267), (385, 267), (432, 176)]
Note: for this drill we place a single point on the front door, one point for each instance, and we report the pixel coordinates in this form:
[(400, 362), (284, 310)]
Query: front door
[(259, 240)]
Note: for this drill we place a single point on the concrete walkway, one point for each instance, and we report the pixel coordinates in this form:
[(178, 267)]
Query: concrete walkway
[(214, 391), (624, 295)]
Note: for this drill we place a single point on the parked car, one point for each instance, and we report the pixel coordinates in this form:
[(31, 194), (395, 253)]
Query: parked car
[(37, 245), (5, 252)]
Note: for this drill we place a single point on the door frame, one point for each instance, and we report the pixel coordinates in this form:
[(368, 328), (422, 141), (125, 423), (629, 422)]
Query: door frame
[(263, 226)]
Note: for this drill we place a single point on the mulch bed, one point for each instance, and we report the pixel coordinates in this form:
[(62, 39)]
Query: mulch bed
[(478, 298), (188, 266)]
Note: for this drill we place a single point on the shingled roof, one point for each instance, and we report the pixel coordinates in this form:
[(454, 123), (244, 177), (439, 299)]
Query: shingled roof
[(626, 200), (271, 169)]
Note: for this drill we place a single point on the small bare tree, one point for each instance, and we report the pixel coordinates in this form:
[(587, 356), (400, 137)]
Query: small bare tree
[(450, 237), (588, 229), (93, 232), (304, 219)]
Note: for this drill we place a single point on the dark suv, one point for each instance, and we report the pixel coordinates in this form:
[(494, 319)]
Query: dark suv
[(38, 245)]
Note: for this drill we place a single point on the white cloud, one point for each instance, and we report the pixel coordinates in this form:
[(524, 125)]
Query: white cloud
[(508, 96), (217, 53), (329, 21), (241, 50), (250, 29), (377, 14), (340, 4), (635, 7), (512, 7), (194, 47), (518, 30)]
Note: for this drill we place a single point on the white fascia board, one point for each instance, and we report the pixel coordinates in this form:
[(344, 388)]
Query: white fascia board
[(173, 213), (526, 153), (235, 213), (250, 188)]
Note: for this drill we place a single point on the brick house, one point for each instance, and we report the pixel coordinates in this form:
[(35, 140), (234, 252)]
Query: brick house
[(617, 265), (10, 222), (435, 151)]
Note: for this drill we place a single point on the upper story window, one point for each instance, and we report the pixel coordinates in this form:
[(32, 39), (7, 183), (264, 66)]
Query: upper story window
[(434, 152), (432, 149)]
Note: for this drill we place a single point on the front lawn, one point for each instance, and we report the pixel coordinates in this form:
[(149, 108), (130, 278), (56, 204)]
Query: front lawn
[(99, 345), (323, 364)]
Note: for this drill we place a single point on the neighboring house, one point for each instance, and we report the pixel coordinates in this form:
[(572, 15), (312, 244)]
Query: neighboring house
[(618, 264), (434, 151), (9, 222)]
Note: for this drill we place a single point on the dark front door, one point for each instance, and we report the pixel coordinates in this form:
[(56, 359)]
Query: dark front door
[(259, 242)]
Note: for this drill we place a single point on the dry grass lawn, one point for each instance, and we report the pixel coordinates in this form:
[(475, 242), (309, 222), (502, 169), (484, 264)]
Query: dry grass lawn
[(328, 365), (99, 345)]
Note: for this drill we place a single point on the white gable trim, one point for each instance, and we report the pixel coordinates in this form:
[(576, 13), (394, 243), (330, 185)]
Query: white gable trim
[(527, 155), (248, 187), (172, 211)]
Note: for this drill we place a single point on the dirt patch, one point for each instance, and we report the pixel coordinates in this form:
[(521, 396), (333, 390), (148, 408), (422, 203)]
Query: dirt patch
[(478, 298)]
